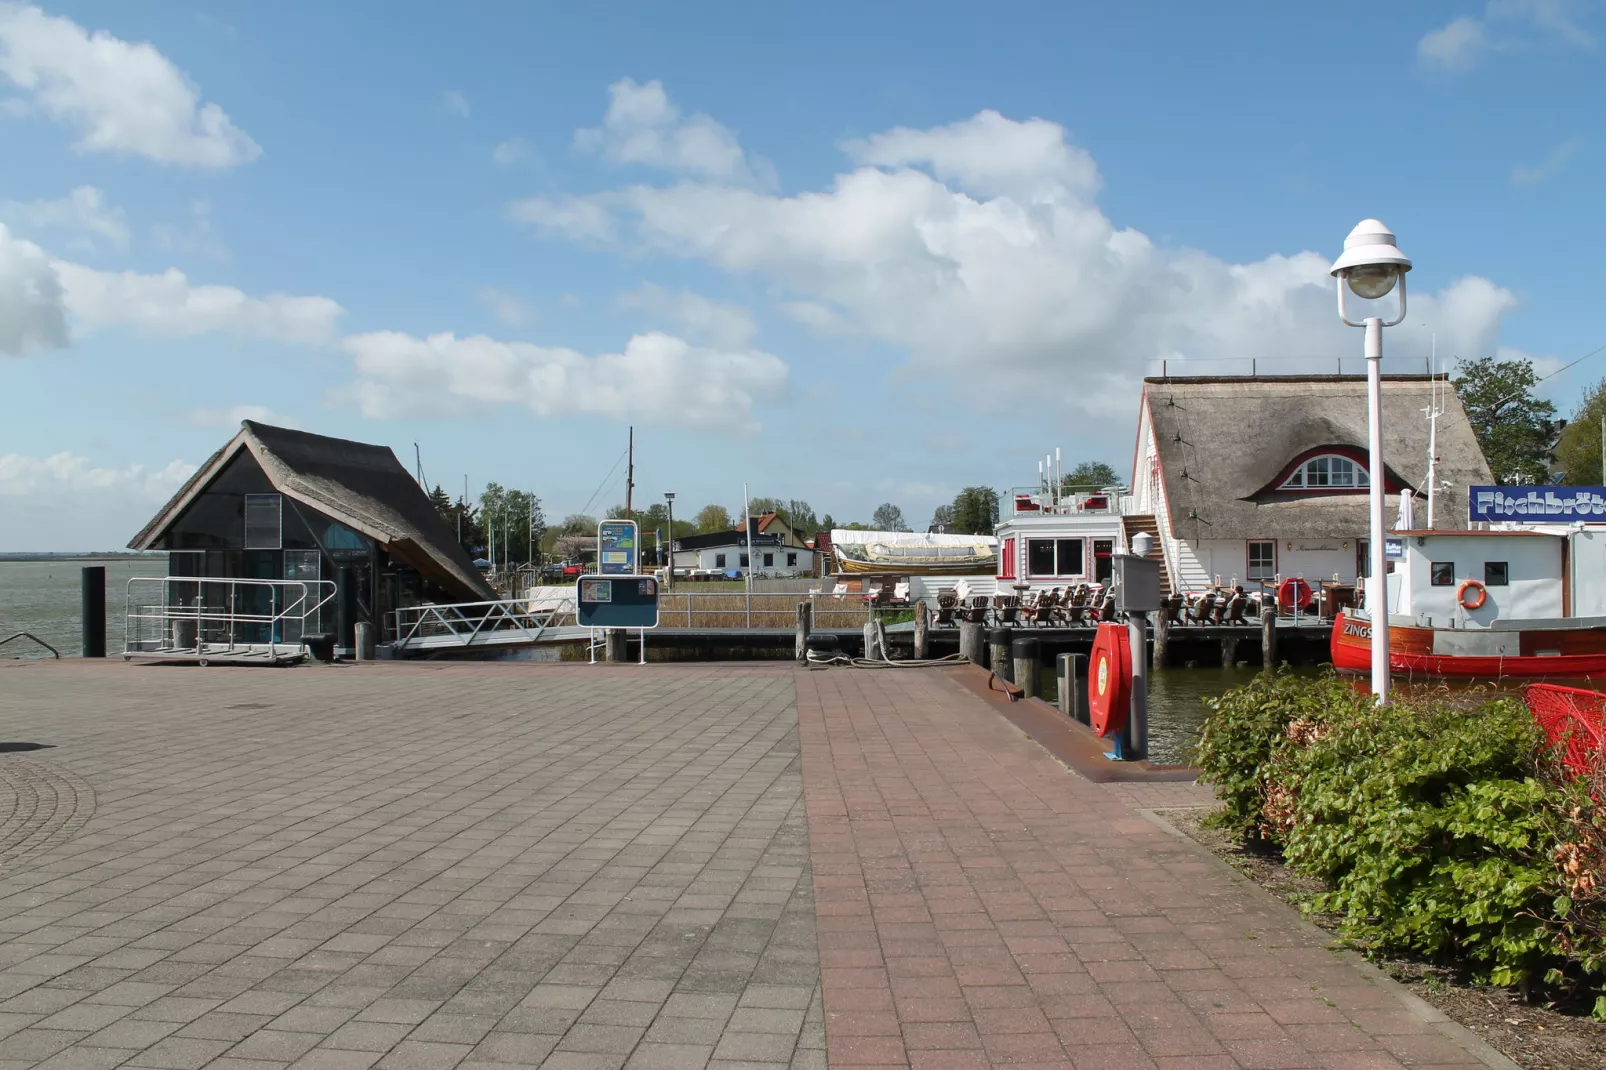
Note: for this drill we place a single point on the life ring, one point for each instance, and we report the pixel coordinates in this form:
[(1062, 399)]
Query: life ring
[(1482, 594), (1294, 592)]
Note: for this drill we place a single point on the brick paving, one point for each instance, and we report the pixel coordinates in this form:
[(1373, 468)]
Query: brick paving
[(980, 905), (409, 867), (429, 866)]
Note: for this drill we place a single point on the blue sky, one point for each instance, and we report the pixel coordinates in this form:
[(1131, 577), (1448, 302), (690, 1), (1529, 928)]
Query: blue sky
[(848, 253)]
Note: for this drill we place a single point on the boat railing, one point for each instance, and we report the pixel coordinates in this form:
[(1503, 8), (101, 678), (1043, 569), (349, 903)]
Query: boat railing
[(200, 615), (1042, 501)]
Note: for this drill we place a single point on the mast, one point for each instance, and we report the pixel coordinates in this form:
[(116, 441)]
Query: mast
[(630, 474), (1434, 411)]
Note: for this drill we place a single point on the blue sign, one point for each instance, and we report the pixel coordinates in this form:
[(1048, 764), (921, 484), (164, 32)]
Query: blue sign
[(618, 548), (617, 602), (1394, 549), (1537, 505)]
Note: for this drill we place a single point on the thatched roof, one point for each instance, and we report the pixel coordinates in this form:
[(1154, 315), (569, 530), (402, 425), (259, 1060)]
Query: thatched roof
[(362, 486), (1222, 441)]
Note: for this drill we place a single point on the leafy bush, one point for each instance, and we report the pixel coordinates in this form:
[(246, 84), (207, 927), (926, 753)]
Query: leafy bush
[(1439, 827)]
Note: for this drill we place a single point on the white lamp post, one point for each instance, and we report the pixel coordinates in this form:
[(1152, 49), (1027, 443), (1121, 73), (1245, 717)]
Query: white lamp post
[(1369, 267)]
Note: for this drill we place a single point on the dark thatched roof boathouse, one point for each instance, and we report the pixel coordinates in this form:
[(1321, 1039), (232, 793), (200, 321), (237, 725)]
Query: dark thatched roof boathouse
[(278, 504), (1251, 478)]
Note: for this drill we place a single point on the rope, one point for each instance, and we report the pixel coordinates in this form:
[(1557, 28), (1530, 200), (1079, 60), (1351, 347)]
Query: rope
[(816, 660)]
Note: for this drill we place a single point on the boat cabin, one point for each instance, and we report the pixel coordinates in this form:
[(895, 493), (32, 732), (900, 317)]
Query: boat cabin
[(1470, 579), (1048, 540)]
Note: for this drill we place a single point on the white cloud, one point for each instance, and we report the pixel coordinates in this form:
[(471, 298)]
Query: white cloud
[(124, 97), (715, 323), (657, 378), (84, 212), (1552, 165), (1461, 44), (65, 503), (196, 236), (33, 313), (504, 306), (455, 102), (230, 418), (169, 304), (997, 261), (1456, 46), (513, 150), (643, 126)]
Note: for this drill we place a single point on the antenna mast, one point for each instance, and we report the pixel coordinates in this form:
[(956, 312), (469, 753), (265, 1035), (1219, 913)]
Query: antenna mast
[(1433, 411)]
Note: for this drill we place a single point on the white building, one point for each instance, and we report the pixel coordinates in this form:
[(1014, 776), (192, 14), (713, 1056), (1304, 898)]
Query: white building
[(1260, 478), (770, 554)]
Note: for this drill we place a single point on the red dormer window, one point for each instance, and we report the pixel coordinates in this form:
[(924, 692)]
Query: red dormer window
[(1329, 471)]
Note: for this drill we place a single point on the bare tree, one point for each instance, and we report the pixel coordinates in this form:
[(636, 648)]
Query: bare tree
[(888, 517)]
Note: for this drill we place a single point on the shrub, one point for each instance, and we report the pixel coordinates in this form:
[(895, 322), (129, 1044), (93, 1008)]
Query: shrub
[(1439, 827)]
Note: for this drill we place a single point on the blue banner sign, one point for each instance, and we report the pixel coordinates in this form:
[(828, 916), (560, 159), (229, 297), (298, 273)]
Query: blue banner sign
[(1394, 549), (1537, 505)]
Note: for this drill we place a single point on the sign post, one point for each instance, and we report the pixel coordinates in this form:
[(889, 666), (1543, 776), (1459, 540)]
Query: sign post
[(618, 555)]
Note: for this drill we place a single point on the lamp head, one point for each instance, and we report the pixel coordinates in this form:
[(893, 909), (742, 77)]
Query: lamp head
[(1142, 544), (669, 495), (1371, 263)]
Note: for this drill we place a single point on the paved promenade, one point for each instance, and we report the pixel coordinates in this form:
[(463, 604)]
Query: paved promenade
[(421, 867)]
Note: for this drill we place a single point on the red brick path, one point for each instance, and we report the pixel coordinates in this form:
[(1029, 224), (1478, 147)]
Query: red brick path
[(981, 905)]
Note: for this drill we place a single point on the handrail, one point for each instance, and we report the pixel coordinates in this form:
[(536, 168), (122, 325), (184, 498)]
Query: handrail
[(35, 638), (224, 613)]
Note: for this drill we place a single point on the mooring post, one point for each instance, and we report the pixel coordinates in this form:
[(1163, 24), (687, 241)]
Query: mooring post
[(998, 653), (922, 628), (872, 645), (94, 611), (616, 645), (363, 639), (1025, 652), (1268, 639), (1229, 651), (1162, 636), (805, 622), (1070, 686), (973, 643)]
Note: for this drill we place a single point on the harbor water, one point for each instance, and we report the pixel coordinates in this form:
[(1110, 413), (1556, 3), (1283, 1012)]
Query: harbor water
[(43, 597)]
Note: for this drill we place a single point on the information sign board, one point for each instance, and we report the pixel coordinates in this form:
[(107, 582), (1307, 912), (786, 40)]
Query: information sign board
[(618, 548), (617, 602), (1394, 549)]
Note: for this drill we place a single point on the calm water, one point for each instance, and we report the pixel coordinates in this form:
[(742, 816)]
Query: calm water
[(43, 597)]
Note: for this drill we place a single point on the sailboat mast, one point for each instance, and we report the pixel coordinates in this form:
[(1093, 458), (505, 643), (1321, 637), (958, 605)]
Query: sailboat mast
[(630, 474)]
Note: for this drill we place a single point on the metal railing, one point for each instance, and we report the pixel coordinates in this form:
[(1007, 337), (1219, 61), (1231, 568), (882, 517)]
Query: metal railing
[(1042, 501), (478, 623), (201, 615), (35, 638)]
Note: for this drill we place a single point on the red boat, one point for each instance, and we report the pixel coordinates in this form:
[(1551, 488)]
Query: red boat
[(1484, 652)]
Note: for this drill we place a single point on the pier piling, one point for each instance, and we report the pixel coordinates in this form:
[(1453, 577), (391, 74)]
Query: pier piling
[(364, 641), (973, 643), (1162, 637), (94, 611), (922, 630), (1069, 668), (805, 622), (615, 646), (998, 653), (1025, 652), (1268, 638)]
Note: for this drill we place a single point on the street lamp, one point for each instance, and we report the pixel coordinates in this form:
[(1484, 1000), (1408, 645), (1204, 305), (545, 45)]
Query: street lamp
[(1369, 267), (669, 576)]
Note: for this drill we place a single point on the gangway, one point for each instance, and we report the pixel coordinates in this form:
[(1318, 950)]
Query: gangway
[(429, 628), (209, 620)]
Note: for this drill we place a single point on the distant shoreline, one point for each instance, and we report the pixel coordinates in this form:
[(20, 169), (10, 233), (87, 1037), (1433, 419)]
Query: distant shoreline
[(105, 555)]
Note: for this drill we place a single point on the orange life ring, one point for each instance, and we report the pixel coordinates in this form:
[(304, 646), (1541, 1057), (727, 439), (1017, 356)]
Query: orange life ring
[(1472, 585)]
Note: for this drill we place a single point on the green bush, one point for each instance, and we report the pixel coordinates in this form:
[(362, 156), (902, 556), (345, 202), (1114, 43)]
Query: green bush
[(1437, 826)]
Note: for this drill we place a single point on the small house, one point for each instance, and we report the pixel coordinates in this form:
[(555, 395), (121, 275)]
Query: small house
[(765, 552)]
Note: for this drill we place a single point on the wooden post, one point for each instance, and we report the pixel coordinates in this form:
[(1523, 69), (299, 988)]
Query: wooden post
[(615, 645), (872, 645), (1268, 639), (1025, 652), (922, 629), (973, 643), (1229, 651), (1162, 637), (998, 653), (1070, 686), (805, 621)]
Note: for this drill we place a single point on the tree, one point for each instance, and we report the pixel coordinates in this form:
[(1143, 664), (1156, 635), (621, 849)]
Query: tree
[(1578, 451), (888, 517), (827, 522), (712, 518), (516, 521), (942, 518), (1090, 475), (578, 524), (800, 515), (1514, 428), (461, 520), (975, 511)]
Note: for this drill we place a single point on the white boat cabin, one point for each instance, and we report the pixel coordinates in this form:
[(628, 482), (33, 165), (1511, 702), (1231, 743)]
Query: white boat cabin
[(1047, 541), (1473, 579)]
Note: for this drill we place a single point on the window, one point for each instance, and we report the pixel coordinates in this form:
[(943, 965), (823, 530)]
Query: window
[(1496, 574), (791, 560), (1052, 557), (264, 522), (1262, 559), (719, 560), (1039, 557), (769, 560), (1442, 573), (1327, 472), (744, 560)]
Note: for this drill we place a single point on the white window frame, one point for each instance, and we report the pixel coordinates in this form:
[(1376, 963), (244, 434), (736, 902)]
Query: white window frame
[(1249, 559), (1302, 478)]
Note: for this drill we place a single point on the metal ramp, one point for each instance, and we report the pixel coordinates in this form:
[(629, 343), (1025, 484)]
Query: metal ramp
[(428, 629), (204, 621)]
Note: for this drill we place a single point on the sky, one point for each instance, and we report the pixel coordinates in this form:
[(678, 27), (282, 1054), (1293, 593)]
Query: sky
[(849, 253)]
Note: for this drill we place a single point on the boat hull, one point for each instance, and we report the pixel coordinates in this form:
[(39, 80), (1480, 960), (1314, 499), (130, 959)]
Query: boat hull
[(1421, 651)]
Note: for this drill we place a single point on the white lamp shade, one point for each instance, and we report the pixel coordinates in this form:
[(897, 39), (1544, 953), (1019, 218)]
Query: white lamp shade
[(1370, 244)]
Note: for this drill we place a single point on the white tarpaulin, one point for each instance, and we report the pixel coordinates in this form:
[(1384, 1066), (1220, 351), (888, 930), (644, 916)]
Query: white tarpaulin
[(849, 537)]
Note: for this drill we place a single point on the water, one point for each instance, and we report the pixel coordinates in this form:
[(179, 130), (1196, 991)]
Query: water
[(44, 597)]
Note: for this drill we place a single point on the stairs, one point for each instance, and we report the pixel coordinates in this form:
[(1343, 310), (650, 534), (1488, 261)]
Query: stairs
[(1131, 525)]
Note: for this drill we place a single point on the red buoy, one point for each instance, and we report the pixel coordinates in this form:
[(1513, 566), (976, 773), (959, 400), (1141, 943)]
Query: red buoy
[(1109, 679)]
